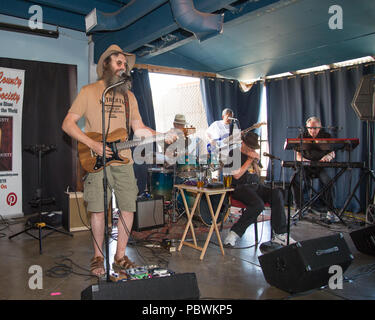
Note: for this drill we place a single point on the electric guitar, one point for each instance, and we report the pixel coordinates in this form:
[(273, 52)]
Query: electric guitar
[(116, 141)]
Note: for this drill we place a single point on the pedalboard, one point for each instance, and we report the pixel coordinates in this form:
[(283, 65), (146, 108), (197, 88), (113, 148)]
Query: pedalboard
[(141, 272)]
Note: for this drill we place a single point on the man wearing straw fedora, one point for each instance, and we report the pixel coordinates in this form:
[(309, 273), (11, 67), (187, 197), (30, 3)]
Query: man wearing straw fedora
[(121, 111)]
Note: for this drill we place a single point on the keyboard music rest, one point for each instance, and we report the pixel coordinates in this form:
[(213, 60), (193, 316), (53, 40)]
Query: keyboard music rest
[(320, 164), (331, 144)]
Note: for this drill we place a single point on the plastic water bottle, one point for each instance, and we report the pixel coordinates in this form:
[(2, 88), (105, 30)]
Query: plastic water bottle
[(209, 153)]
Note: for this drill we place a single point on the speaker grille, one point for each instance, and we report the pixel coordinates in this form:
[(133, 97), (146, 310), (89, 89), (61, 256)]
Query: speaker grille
[(149, 214)]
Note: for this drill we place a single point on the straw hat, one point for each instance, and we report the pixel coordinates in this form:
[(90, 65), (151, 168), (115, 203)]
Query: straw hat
[(179, 119), (130, 58)]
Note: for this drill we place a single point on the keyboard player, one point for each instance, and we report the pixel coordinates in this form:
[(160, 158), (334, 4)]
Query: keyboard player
[(314, 153)]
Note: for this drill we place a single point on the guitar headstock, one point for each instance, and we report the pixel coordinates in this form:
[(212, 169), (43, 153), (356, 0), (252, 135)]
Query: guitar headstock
[(254, 126), (189, 131), (258, 125)]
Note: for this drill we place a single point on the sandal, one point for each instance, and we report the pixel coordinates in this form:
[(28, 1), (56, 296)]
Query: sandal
[(123, 264), (97, 263)]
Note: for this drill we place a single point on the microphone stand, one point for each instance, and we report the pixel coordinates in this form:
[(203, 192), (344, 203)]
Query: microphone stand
[(272, 159), (105, 181), (301, 175), (272, 188)]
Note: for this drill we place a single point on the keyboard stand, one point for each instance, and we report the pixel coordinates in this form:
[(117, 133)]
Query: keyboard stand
[(318, 195)]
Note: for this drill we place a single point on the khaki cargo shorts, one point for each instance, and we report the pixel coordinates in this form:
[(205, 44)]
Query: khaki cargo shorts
[(123, 182)]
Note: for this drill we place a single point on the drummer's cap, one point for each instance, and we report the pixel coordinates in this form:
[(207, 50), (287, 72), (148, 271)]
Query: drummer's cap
[(179, 119), (251, 140)]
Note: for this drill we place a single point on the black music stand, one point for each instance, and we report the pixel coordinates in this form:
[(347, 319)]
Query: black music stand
[(38, 200)]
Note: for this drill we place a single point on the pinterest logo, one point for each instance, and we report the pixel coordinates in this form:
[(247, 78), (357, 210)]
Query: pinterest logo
[(11, 199)]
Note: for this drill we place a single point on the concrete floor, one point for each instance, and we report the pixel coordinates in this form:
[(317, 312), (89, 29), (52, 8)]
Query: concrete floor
[(236, 275)]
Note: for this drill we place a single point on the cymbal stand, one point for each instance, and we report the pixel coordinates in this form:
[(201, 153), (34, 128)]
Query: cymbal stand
[(40, 150), (174, 214)]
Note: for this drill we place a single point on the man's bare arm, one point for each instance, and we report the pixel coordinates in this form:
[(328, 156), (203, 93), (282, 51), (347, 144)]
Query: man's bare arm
[(71, 128)]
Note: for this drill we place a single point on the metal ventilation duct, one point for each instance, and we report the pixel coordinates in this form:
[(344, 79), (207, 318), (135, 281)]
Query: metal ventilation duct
[(202, 25), (136, 9)]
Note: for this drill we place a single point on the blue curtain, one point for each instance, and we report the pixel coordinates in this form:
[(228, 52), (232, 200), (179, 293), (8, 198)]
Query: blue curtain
[(142, 91), (218, 94), (327, 95)]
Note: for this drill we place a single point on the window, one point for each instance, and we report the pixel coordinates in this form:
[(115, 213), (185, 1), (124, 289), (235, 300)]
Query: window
[(173, 95), (177, 95)]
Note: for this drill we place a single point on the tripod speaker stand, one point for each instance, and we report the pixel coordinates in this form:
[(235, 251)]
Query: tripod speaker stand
[(38, 200)]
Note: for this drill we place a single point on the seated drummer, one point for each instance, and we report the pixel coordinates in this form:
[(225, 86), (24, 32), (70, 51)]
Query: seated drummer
[(314, 130), (174, 149), (252, 193)]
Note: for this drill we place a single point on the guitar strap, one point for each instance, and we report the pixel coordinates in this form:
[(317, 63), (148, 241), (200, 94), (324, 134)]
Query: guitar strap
[(127, 113)]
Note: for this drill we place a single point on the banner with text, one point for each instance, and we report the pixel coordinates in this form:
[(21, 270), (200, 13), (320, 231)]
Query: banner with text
[(11, 102)]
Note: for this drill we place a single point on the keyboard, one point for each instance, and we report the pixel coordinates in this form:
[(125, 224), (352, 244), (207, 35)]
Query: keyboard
[(320, 164)]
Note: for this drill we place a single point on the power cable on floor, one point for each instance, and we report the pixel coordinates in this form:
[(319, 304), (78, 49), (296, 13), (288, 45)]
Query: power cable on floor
[(65, 267)]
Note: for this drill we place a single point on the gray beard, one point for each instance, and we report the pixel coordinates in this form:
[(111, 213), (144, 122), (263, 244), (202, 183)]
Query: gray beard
[(111, 78)]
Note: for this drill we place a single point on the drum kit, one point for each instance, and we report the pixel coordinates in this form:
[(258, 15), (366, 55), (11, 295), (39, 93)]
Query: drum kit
[(162, 178)]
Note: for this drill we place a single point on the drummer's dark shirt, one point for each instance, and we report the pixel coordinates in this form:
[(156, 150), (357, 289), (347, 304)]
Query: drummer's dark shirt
[(247, 177)]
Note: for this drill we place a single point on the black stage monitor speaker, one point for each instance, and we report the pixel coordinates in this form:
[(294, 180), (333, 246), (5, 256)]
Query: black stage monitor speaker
[(364, 98), (305, 265), (183, 286), (149, 214), (364, 240)]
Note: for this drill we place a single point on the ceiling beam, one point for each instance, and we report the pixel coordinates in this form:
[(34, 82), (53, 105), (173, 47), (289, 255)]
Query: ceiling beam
[(174, 71)]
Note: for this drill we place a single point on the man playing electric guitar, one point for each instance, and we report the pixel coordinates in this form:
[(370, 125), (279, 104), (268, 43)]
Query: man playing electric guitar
[(121, 111)]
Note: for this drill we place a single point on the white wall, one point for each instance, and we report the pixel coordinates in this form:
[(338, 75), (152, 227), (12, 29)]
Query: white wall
[(70, 48)]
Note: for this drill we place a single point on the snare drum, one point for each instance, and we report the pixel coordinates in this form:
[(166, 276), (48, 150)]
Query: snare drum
[(203, 212), (161, 182), (188, 170)]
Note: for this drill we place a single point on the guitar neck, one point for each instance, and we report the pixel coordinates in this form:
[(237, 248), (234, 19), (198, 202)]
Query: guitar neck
[(133, 143), (255, 126)]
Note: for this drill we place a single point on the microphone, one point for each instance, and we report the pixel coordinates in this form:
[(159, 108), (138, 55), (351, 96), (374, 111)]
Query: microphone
[(123, 74), (270, 156), (333, 128), (233, 119)]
